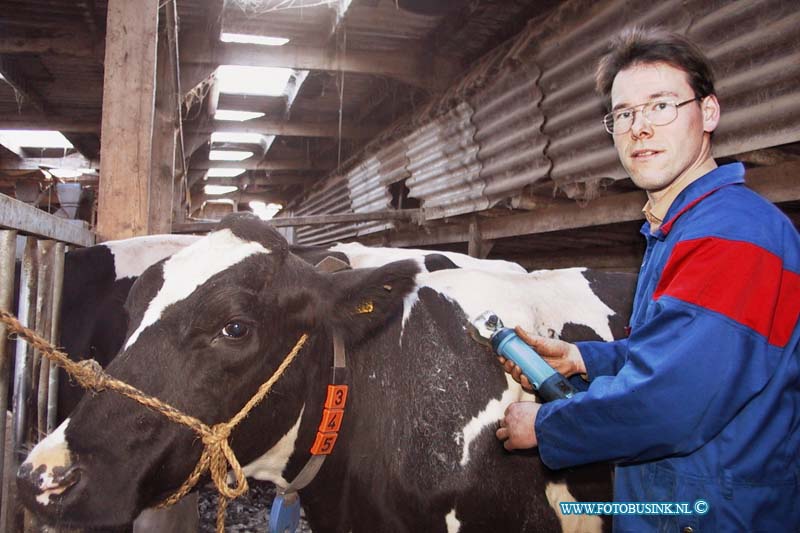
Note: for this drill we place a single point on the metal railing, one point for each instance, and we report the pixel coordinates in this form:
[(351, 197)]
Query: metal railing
[(37, 284)]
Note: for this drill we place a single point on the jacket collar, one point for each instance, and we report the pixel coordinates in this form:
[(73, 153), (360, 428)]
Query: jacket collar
[(695, 192)]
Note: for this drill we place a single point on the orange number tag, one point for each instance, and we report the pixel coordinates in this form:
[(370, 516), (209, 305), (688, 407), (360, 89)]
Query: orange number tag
[(337, 397), (331, 420), (324, 443)]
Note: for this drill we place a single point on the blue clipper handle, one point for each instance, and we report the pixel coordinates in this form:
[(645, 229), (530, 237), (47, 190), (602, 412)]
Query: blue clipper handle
[(550, 384)]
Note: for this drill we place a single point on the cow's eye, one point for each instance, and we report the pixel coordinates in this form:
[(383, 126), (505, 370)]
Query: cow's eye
[(234, 330)]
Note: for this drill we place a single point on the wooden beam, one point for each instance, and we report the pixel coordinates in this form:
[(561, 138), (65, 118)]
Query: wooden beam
[(607, 210), (767, 157), (65, 46), (196, 132), (14, 153), (40, 122), (83, 179), (29, 220), (88, 145), (72, 161), (191, 76), (165, 135), (292, 90), (241, 197), (128, 99), (194, 177), (476, 245), (276, 164), (405, 67), (293, 128), (21, 85), (268, 181), (412, 215)]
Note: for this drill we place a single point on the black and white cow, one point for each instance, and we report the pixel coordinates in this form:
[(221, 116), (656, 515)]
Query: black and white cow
[(97, 280), (416, 451)]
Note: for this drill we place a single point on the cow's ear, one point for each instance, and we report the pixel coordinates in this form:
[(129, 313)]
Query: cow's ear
[(367, 298)]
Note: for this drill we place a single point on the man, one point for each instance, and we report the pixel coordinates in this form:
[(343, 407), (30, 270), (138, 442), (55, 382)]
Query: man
[(702, 400)]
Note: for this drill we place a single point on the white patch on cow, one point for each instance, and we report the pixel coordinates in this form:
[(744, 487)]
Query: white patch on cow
[(361, 256), (133, 256), (409, 302), (52, 452), (193, 266), (558, 492), (453, 524), (491, 414), (270, 466), (540, 301)]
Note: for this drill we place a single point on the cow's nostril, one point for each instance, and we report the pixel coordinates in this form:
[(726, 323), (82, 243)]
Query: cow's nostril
[(68, 478)]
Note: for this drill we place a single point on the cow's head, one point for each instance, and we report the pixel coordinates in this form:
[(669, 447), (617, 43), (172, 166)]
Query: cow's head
[(207, 327)]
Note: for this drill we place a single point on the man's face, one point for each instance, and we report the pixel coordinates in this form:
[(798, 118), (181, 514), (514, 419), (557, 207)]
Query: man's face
[(655, 156)]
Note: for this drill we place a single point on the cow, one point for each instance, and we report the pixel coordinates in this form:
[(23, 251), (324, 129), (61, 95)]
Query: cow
[(361, 256), (97, 280), (416, 451)]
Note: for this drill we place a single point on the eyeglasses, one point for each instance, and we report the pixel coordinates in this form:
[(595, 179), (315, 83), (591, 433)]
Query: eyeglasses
[(657, 113)]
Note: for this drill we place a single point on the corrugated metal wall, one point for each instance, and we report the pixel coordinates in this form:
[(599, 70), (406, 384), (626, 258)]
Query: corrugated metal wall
[(442, 160), (330, 199), (508, 119), (528, 111)]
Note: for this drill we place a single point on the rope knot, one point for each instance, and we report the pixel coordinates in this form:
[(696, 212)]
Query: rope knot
[(90, 375), (216, 435)]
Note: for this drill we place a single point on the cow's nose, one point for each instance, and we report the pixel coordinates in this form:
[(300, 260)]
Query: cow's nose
[(45, 483)]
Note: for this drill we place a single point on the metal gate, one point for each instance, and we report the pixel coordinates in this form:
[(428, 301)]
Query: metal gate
[(31, 289)]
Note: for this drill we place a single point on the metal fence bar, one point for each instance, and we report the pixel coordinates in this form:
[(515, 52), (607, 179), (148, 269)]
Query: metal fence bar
[(8, 241), (26, 315), (10, 515), (58, 285), (40, 371)]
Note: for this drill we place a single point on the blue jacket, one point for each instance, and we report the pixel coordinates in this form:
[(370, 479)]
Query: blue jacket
[(702, 400)]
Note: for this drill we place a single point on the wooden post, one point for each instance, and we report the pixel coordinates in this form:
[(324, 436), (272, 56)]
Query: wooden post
[(477, 246), (164, 137), (128, 100)]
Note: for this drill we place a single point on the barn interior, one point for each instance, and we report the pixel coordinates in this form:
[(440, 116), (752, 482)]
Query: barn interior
[(464, 125), (460, 125)]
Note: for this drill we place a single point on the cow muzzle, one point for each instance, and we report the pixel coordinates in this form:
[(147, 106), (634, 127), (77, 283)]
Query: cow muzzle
[(42, 484), (48, 470)]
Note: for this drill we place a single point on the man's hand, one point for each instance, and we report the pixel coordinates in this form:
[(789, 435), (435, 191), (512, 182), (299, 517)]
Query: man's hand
[(564, 357), (516, 427)]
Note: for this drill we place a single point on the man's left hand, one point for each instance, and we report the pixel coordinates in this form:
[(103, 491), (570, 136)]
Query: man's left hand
[(516, 427)]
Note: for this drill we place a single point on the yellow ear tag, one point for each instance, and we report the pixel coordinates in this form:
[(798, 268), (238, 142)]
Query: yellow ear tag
[(365, 307)]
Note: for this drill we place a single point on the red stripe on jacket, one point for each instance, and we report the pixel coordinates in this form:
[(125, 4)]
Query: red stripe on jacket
[(737, 279)]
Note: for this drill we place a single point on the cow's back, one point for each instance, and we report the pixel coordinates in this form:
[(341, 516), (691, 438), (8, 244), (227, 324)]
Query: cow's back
[(424, 405)]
